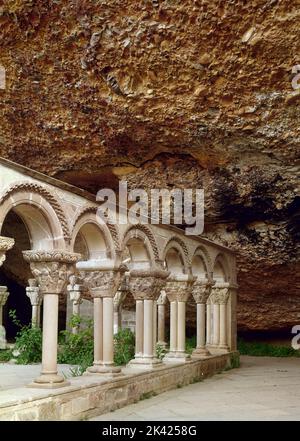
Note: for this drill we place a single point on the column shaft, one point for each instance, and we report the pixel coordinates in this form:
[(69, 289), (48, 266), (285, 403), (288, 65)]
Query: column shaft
[(223, 326), (200, 325), (208, 324), (216, 330), (154, 326), (108, 331), (139, 325), (181, 327), (34, 317), (148, 329), (50, 330), (161, 323), (173, 326), (98, 326)]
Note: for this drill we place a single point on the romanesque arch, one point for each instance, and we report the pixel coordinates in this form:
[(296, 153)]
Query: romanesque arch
[(221, 271), (176, 256), (142, 246)]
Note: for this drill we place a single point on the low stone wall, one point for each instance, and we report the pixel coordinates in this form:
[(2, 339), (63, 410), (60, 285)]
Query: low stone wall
[(88, 396)]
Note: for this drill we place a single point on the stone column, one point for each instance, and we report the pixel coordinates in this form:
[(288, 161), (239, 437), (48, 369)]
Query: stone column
[(145, 285), (208, 322), (3, 298), (178, 289), (221, 297), (33, 292), (75, 291), (103, 284), (118, 301), (6, 244), (154, 326), (51, 269), (201, 292), (161, 315)]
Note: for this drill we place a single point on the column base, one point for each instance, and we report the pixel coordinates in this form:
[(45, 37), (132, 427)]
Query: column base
[(49, 381), (176, 357), (217, 349), (104, 369), (201, 352), (144, 363)]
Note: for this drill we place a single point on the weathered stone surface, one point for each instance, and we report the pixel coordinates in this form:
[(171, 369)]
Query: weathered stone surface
[(184, 94)]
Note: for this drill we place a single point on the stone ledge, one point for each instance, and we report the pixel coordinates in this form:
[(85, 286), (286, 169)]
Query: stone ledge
[(88, 397)]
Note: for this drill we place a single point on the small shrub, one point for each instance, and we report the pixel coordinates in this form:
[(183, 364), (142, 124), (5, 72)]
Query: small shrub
[(5, 355), (124, 342), (77, 349), (160, 351), (28, 345), (190, 344), (259, 349)]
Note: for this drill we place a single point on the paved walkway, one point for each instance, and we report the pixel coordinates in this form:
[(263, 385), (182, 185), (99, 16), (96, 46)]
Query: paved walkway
[(265, 388)]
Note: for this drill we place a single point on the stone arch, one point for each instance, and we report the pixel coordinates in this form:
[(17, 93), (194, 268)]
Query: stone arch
[(202, 254), (221, 271), (178, 244), (101, 240), (40, 212), (145, 248)]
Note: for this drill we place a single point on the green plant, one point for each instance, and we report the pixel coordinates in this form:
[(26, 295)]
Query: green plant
[(28, 345), (124, 346), (190, 344), (77, 348), (259, 349), (5, 355), (160, 351), (147, 395)]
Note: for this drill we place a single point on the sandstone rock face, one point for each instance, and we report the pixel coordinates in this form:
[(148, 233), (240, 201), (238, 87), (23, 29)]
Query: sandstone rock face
[(169, 94)]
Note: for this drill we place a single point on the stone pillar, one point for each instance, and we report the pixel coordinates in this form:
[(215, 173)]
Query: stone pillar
[(219, 297), (6, 244), (145, 285), (52, 270), (103, 284), (208, 323), (161, 315), (33, 292), (201, 292), (154, 326), (3, 298), (118, 301), (178, 289), (75, 291)]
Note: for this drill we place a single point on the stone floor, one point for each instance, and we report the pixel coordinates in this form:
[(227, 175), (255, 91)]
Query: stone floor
[(264, 388), (13, 375)]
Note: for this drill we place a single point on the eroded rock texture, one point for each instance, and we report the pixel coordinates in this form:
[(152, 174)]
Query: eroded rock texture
[(169, 93)]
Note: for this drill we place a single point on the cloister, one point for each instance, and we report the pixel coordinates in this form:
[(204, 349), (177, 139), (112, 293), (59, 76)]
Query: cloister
[(54, 246)]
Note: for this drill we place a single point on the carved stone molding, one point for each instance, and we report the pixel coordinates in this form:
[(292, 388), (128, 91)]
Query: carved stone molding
[(6, 243), (75, 289), (201, 290), (47, 195), (51, 269), (147, 284), (179, 290)]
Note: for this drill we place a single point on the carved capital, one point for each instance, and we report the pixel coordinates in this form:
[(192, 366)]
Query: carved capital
[(220, 294), (179, 290), (104, 282), (33, 292), (75, 289), (147, 284), (51, 269), (3, 295), (201, 290), (6, 243), (162, 299)]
